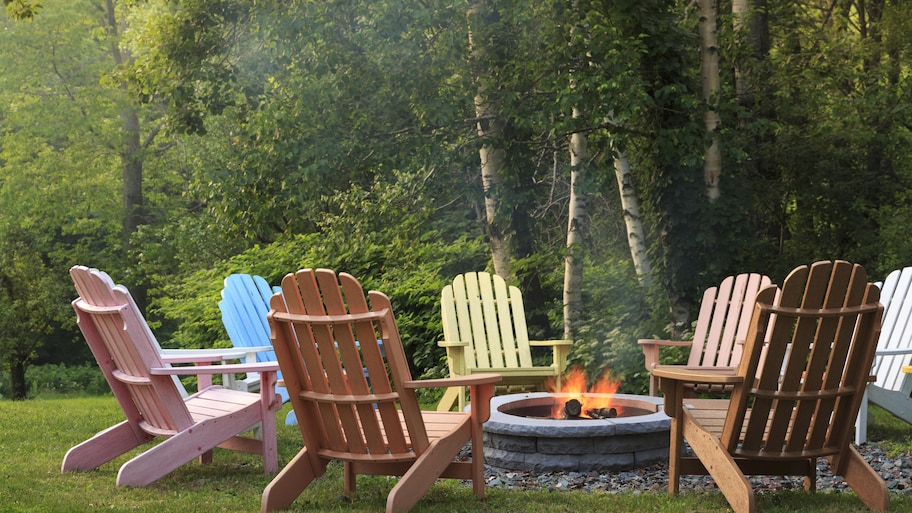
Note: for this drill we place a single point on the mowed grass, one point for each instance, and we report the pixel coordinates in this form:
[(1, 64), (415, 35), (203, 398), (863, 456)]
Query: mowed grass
[(35, 435)]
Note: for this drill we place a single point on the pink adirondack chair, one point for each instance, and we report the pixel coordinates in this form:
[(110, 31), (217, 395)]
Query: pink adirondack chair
[(721, 328), (141, 380)]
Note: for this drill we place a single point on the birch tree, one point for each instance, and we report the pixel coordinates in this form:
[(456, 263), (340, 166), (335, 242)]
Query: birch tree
[(636, 233), (482, 17), (577, 232), (709, 57)]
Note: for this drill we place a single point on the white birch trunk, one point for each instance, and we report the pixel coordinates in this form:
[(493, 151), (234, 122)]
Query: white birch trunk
[(740, 10), (709, 54), (636, 234), (577, 232), (492, 158)]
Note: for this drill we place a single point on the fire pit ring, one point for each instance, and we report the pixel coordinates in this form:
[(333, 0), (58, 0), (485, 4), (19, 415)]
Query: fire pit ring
[(516, 442)]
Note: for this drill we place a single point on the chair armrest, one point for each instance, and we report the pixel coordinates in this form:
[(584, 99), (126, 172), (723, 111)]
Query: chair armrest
[(453, 343), (481, 390), (458, 381), (672, 379), (216, 369), (698, 375), (651, 353), (664, 343), (210, 355), (549, 343), (893, 351)]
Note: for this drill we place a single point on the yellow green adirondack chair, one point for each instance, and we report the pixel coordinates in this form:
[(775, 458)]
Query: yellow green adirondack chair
[(484, 330)]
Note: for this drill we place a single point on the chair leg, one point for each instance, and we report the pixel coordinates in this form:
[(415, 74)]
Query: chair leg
[(291, 482), (103, 447), (349, 479), (720, 465), (449, 398), (426, 469), (674, 456), (861, 421), (864, 480)]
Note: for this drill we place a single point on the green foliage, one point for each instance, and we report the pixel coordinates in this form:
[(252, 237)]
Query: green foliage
[(28, 305), (54, 380), (412, 272), (616, 316), (342, 134), (22, 9)]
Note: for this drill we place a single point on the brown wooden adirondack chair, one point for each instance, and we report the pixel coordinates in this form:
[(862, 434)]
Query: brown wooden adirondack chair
[(356, 403), (722, 323), (802, 404), (128, 354), (484, 330)]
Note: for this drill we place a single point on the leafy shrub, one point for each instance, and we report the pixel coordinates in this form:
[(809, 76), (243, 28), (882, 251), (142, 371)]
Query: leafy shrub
[(57, 379)]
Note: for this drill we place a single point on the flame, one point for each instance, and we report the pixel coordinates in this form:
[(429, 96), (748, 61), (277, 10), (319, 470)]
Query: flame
[(576, 382)]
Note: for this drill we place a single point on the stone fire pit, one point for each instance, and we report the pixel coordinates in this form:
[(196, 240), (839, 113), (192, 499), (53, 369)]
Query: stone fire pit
[(638, 437)]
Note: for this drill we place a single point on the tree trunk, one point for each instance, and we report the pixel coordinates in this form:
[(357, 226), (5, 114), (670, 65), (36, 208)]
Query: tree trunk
[(636, 234), (130, 154), (490, 130), (709, 54), (17, 380), (577, 233)]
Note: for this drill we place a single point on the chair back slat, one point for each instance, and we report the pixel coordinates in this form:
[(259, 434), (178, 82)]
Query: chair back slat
[(723, 321), (824, 337), (352, 390), (480, 308)]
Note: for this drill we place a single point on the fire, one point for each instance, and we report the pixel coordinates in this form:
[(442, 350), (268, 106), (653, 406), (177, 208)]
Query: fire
[(576, 382)]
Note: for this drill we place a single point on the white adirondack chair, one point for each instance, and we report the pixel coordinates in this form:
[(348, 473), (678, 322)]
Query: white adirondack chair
[(892, 388)]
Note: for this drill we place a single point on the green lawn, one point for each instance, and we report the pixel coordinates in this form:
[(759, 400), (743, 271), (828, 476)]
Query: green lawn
[(35, 434)]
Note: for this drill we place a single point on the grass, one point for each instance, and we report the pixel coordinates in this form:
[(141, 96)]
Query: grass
[(35, 434)]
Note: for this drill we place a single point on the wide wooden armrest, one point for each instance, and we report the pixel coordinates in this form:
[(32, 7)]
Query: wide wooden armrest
[(701, 375), (209, 355), (664, 343), (549, 343), (893, 351), (458, 381), (453, 343), (216, 369)]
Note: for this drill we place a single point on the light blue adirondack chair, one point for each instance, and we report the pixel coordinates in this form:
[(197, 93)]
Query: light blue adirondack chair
[(244, 305)]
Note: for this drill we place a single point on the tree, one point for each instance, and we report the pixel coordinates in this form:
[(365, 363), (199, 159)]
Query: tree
[(486, 51), (29, 305)]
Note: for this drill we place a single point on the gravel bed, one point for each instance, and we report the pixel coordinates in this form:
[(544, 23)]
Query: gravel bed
[(896, 471)]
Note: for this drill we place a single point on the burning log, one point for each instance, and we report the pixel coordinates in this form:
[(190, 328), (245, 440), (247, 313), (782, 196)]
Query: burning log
[(572, 409), (602, 413)]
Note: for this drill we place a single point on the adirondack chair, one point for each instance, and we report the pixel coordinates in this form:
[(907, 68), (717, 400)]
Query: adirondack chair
[(371, 423), (800, 406), (129, 356), (722, 323), (244, 305), (484, 330), (892, 388)]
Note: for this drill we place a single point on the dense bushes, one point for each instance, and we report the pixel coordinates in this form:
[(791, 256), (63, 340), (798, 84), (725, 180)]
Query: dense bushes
[(44, 380)]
